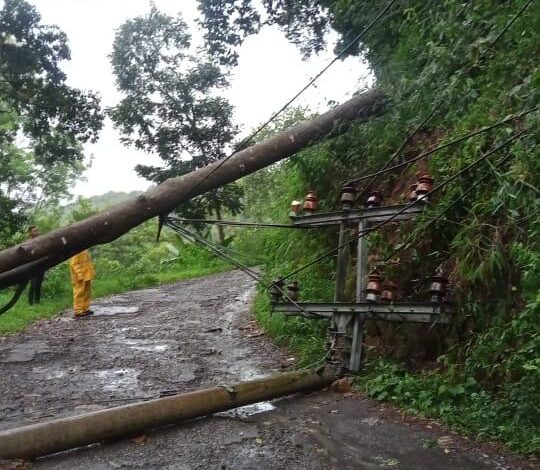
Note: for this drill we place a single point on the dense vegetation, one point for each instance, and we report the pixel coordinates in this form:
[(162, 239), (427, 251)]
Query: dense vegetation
[(482, 374)]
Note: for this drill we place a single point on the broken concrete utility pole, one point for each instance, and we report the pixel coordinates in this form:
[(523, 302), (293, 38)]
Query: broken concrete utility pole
[(49, 437), (19, 262)]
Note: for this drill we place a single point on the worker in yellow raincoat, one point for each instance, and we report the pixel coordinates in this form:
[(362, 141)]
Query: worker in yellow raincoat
[(82, 273)]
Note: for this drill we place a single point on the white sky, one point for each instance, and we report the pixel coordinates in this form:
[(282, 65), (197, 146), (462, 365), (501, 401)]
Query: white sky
[(270, 71)]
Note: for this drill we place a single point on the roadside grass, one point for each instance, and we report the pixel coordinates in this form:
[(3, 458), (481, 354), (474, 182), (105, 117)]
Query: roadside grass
[(57, 295), (305, 338)]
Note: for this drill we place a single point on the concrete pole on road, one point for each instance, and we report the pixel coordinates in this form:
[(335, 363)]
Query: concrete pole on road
[(58, 435)]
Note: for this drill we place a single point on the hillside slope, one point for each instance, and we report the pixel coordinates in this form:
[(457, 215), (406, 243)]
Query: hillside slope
[(481, 375)]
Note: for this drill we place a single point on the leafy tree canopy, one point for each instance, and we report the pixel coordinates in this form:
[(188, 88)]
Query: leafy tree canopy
[(171, 106), (43, 121), (227, 23)]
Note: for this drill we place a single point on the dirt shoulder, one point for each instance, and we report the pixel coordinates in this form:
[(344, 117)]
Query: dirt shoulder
[(190, 335)]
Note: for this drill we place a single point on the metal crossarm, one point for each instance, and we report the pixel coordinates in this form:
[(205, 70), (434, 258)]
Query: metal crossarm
[(347, 320), (371, 215), (421, 312)]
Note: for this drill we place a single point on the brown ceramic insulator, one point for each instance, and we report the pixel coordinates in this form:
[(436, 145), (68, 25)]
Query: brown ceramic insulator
[(389, 292), (374, 287), (348, 195), (293, 291), (438, 288), (276, 290), (374, 199), (311, 202), (424, 185)]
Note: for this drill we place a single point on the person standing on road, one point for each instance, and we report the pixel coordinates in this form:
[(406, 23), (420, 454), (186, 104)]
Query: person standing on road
[(34, 293), (82, 272)]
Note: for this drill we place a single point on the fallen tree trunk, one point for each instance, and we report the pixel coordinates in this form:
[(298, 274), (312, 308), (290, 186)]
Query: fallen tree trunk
[(62, 434), (110, 224)]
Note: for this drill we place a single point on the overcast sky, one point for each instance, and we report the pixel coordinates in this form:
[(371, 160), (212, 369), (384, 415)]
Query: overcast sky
[(270, 72)]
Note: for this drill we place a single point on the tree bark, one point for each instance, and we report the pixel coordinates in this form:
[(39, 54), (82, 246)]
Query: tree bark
[(110, 224)]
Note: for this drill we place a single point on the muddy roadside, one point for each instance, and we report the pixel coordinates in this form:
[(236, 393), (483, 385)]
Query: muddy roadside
[(195, 334)]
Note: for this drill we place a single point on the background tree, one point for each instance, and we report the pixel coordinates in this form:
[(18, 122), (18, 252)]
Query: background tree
[(228, 22), (171, 107), (43, 121)]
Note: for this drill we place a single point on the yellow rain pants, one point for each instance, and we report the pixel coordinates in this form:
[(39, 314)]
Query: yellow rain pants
[(82, 272)]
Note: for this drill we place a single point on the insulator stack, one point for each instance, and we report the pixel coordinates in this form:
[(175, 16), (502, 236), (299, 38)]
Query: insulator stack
[(373, 288), (374, 199), (348, 195), (293, 291), (296, 206), (276, 290), (311, 202), (389, 292), (424, 186), (438, 288)]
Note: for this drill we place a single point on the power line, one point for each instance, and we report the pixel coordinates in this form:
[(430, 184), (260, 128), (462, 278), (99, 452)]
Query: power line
[(398, 151), (449, 144), (217, 251), (232, 223), (286, 105), (314, 79), (410, 240), (406, 207), (407, 139), (442, 100)]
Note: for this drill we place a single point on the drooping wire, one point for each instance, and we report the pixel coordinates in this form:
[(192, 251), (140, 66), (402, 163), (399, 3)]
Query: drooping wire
[(218, 252), (14, 298), (438, 105), (367, 231), (449, 144), (195, 238), (233, 223), (411, 239), (245, 141)]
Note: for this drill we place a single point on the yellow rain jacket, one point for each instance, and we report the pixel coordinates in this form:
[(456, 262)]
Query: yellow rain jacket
[(82, 272), (81, 267)]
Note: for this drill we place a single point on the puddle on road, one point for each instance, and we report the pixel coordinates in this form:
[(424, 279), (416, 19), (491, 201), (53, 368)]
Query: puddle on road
[(248, 372), (248, 410), (117, 379), (24, 352), (239, 365), (104, 310), (49, 373), (145, 345)]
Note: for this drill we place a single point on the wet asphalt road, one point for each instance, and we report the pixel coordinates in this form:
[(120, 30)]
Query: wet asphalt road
[(196, 334)]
